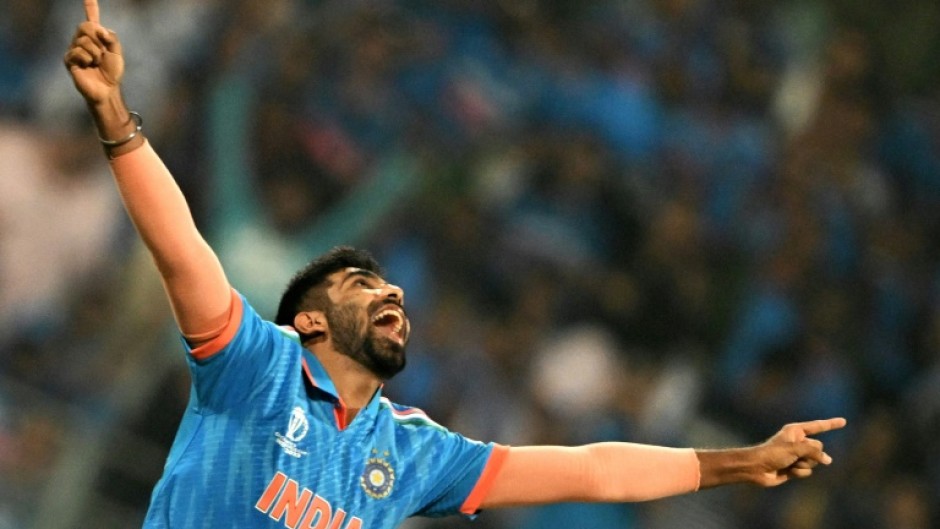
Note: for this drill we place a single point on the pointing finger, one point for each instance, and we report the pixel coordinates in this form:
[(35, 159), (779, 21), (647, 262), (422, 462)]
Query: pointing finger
[(822, 425), (91, 11)]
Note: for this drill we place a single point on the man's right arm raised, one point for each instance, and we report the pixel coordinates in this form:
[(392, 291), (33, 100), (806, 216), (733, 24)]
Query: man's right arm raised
[(193, 278)]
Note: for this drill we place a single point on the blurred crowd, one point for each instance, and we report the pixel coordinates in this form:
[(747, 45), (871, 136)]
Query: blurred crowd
[(680, 222)]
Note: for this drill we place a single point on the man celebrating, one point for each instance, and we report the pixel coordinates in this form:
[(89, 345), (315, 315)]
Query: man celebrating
[(286, 425)]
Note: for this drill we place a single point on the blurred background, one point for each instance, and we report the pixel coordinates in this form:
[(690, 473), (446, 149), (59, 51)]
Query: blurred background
[(681, 222)]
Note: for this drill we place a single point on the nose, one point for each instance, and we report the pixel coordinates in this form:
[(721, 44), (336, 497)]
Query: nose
[(395, 293)]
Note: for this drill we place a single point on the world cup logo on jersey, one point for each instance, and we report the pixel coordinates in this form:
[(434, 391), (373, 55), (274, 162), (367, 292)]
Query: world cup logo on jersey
[(297, 428)]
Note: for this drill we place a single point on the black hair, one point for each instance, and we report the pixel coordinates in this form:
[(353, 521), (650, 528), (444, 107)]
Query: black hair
[(307, 289)]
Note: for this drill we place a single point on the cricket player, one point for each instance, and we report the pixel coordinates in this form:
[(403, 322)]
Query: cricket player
[(286, 424)]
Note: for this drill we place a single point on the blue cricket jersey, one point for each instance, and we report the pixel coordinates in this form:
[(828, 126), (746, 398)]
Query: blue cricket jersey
[(263, 444)]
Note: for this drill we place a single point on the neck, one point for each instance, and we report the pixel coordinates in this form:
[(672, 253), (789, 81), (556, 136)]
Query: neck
[(355, 384)]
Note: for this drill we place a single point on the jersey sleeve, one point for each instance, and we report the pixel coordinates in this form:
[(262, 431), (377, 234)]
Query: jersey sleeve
[(240, 361), (464, 470)]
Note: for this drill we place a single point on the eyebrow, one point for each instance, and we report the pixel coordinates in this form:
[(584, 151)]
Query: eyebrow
[(359, 272)]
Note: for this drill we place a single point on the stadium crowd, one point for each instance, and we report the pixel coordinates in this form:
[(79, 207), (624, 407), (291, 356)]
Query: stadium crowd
[(679, 222)]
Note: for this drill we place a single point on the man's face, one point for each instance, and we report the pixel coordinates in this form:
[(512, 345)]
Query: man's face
[(367, 320)]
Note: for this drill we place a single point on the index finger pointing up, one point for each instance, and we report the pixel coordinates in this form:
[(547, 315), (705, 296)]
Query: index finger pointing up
[(91, 11)]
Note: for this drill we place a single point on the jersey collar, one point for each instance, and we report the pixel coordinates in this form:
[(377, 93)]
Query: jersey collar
[(317, 376)]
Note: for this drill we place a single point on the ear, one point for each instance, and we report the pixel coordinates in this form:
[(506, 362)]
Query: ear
[(310, 323)]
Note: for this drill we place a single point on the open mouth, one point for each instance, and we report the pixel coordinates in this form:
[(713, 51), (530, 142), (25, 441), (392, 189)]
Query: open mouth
[(392, 322)]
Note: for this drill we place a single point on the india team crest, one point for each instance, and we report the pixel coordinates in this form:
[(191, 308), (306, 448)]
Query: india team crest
[(378, 477), (297, 428)]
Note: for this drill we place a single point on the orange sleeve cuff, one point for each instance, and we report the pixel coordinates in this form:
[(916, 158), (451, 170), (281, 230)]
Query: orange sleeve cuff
[(482, 488), (212, 342)]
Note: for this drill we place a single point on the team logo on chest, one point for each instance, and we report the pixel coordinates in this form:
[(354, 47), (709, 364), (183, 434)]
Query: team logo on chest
[(378, 477), (297, 428)]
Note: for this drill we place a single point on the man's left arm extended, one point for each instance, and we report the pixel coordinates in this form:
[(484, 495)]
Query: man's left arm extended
[(626, 472)]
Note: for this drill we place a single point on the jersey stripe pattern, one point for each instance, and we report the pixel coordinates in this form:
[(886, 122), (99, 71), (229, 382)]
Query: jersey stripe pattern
[(262, 445)]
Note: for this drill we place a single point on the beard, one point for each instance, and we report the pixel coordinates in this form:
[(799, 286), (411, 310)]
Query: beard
[(360, 342)]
